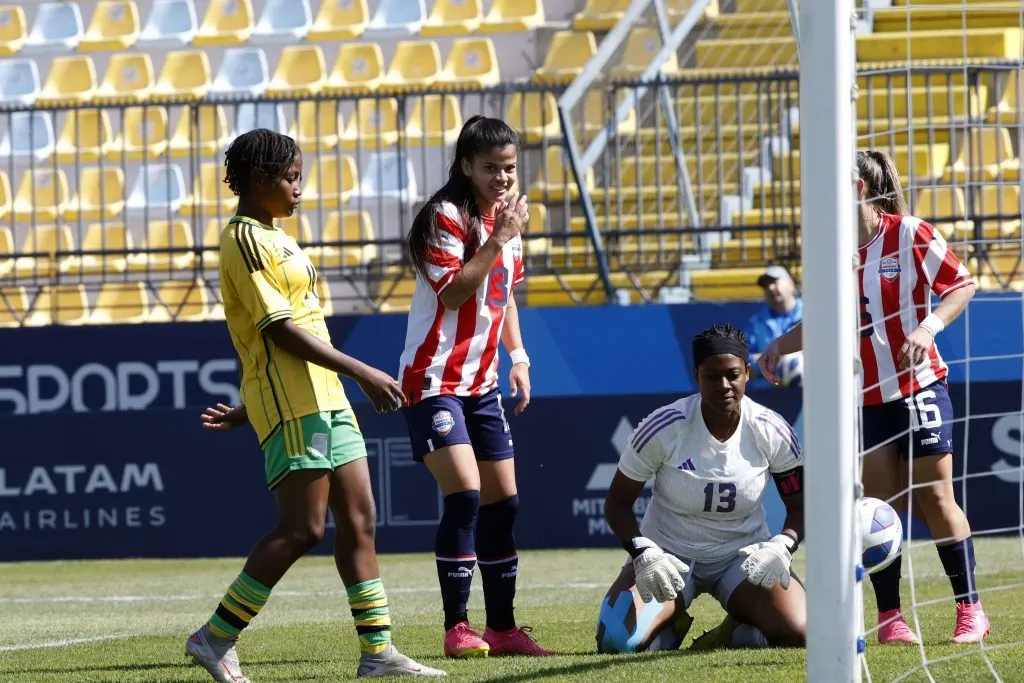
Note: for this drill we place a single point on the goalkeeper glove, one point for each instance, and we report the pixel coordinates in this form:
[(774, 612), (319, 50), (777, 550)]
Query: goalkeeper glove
[(659, 575), (767, 563)]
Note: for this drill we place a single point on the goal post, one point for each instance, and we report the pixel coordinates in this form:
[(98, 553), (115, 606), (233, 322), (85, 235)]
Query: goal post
[(827, 138)]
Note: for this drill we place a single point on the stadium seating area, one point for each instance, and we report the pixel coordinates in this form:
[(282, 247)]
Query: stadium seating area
[(114, 115)]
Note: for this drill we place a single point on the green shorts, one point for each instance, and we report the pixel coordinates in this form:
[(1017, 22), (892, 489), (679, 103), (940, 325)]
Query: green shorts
[(321, 441)]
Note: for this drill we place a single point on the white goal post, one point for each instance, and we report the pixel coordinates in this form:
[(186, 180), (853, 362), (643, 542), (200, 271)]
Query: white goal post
[(827, 94)]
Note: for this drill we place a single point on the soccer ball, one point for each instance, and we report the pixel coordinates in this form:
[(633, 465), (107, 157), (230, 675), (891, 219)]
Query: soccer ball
[(791, 369), (881, 533)]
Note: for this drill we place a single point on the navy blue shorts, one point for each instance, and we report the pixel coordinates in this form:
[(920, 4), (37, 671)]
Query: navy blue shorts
[(441, 421), (921, 425)]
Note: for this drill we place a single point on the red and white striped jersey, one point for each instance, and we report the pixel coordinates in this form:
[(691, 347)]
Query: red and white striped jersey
[(456, 352), (903, 261)]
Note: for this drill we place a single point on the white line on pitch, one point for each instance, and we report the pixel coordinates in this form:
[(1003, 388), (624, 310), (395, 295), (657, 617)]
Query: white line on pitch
[(63, 643), (277, 593)]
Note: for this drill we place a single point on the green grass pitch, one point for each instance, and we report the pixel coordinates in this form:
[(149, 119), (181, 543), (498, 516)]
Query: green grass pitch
[(127, 621)]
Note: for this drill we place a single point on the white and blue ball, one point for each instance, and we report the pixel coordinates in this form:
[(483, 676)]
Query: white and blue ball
[(881, 533), (791, 369)]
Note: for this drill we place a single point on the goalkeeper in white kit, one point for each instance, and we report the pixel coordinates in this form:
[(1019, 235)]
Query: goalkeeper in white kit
[(704, 531)]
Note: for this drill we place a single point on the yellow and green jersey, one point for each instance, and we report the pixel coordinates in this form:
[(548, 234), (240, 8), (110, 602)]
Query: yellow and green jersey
[(265, 277)]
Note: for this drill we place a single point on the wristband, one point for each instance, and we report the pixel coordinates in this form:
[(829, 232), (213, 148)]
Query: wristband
[(932, 324), (636, 546), (519, 356), (793, 543)]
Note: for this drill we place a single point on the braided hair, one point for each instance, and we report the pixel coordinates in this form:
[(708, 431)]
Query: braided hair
[(261, 150)]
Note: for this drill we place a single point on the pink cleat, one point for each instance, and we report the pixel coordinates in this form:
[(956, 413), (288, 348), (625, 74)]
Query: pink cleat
[(971, 623), (515, 641), (462, 642), (892, 628)]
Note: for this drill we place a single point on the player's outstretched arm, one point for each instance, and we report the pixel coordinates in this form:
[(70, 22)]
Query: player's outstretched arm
[(659, 575), (791, 342), (382, 390)]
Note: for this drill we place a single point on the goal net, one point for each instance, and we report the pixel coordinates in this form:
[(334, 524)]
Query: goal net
[(939, 91)]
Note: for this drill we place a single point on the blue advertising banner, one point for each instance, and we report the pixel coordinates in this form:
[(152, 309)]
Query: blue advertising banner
[(101, 453)]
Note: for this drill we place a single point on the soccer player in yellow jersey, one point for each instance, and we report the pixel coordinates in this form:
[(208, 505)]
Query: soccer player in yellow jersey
[(293, 398)]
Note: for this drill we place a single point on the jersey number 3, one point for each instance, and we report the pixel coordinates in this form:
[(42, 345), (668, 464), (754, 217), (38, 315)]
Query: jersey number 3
[(724, 498), (497, 287)]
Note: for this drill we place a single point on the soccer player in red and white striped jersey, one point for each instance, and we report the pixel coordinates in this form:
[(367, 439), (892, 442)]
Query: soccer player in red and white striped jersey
[(468, 253), (906, 407)]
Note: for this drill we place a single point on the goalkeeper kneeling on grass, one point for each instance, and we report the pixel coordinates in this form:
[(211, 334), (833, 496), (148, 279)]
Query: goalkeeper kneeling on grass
[(704, 531)]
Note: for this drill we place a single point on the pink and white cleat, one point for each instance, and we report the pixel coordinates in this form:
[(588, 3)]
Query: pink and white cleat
[(515, 641), (893, 628), (971, 623), (462, 642)]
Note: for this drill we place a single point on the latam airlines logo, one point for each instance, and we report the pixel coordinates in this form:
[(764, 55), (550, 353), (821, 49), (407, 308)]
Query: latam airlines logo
[(591, 508)]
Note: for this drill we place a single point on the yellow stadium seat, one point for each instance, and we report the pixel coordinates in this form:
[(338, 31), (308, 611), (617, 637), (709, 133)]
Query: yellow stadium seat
[(180, 301), (163, 248), (100, 194), (1003, 202), (997, 43), (743, 53), (563, 290), (945, 208), (343, 227), (72, 80), (1009, 109), (568, 53), (534, 115), (986, 155), (210, 195), (472, 63), (121, 302), (86, 132), (13, 306), (42, 195), (641, 47), (339, 20), (555, 178), (226, 22), (143, 135), (114, 26), (726, 284), (926, 161), (298, 228), (105, 250), (599, 15), (43, 250), (596, 116), (453, 18), (394, 291), (359, 68), (416, 64), (754, 26), (59, 304), (923, 102), (211, 243), (435, 120), (318, 124), (509, 16), (6, 252), (932, 17), (185, 74), (5, 196), (13, 29), (375, 123), (300, 72), (330, 181), (129, 77), (534, 241), (206, 132)]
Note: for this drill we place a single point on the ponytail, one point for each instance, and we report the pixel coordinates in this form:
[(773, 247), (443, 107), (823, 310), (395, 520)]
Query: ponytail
[(478, 134), (881, 181)]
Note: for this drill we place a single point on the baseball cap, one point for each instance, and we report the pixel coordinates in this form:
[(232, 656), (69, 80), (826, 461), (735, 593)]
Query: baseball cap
[(773, 273)]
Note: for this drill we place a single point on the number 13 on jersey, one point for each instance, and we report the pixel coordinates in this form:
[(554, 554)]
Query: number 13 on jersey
[(497, 287)]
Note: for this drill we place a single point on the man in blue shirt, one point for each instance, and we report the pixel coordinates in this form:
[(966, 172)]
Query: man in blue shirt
[(782, 309)]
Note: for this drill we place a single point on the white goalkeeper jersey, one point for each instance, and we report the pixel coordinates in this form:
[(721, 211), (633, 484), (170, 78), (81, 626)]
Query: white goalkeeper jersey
[(707, 501)]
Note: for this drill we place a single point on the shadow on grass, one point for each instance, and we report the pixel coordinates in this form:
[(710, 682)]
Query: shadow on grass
[(604, 663)]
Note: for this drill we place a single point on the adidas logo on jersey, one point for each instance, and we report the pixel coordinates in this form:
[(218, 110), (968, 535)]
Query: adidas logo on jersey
[(687, 465)]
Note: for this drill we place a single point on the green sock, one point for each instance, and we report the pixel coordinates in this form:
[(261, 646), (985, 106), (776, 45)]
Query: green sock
[(369, 606), (242, 602)]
